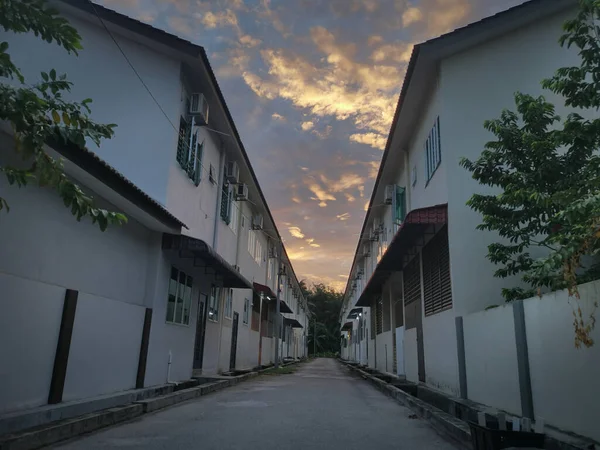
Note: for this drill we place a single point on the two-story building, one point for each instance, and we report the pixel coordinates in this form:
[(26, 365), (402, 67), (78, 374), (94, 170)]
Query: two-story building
[(420, 265), (189, 285)]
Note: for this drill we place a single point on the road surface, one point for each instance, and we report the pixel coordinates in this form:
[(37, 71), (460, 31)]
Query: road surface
[(321, 406)]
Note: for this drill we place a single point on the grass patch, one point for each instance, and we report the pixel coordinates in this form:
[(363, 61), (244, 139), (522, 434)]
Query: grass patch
[(281, 371)]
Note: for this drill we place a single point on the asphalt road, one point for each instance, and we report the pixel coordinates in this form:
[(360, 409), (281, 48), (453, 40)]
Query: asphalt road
[(321, 406)]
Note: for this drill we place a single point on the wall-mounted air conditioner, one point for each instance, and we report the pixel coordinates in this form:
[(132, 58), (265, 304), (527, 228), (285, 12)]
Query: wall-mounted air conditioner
[(241, 193), (232, 172), (390, 190), (199, 109), (257, 222)]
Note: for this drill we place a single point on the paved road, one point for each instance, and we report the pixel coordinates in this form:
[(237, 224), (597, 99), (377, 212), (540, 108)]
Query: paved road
[(321, 406)]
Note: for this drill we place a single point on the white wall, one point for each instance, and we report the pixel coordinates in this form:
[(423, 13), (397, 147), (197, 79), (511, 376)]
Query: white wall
[(517, 62), (385, 352), (144, 140), (439, 345), (105, 347), (491, 359), (29, 326), (564, 379), (400, 351), (411, 360)]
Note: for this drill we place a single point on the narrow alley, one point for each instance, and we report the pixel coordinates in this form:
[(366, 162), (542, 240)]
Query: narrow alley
[(321, 405)]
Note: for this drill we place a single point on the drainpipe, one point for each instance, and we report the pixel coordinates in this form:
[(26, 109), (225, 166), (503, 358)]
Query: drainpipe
[(277, 306)]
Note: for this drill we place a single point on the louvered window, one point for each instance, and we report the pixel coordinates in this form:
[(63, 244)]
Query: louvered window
[(436, 274), (379, 317), (412, 282)]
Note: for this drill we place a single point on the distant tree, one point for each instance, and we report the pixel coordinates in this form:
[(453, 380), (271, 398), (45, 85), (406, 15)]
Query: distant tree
[(39, 114), (324, 303), (548, 173)]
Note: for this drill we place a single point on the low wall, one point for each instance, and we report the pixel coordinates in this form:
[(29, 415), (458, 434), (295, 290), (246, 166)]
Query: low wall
[(411, 359), (439, 347)]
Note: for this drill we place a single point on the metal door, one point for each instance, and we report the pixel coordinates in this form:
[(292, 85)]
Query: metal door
[(234, 336), (200, 332)]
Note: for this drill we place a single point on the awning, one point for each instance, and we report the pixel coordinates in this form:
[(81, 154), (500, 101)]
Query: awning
[(292, 323), (405, 244), (196, 254), (270, 295), (347, 326), (354, 313)]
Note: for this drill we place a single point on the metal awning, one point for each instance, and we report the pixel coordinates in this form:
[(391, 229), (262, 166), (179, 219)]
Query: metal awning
[(292, 323), (354, 313), (347, 326), (407, 242), (195, 254), (271, 297)]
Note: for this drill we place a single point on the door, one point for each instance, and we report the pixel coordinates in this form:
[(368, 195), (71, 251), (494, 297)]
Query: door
[(200, 332), (234, 336)]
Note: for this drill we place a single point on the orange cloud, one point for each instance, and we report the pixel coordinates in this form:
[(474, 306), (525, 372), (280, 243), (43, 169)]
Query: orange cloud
[(296, 232)]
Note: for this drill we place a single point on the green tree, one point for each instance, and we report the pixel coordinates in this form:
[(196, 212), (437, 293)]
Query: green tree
[(39, 114), (547, 171), (324, 303)]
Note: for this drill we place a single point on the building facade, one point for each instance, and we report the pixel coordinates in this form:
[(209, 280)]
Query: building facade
[(189, 285), (420, 267)]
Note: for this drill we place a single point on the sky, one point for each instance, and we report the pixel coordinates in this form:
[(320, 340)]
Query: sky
[(312, 86)]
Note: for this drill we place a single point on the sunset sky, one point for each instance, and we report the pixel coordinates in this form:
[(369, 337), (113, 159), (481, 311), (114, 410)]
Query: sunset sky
[(312, 86)]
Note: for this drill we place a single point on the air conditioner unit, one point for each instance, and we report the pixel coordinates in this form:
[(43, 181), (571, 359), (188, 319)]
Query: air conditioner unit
[(257, 222), (199, 109), (232, 172), (390, 189), (367, 250), (242, 192)]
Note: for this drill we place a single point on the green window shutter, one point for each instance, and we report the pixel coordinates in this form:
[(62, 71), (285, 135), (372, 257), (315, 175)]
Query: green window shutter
[(399, 204), (225, 207)]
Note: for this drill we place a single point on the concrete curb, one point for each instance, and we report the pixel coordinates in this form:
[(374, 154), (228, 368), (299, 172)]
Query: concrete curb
[(443, 422), (51, 433)]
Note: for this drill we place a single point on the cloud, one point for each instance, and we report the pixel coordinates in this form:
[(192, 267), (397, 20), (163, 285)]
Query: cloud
[(366, 208), (323, 134), (219, 19), (350, 197), (320, 194), (411, 15), (345, 182), (315, 245), (373, 139), (249, 41), (296, 232), (343, 217), (180, 25), (361, 189), (398, 52), (307, 125), (296, 200), (277, 116)]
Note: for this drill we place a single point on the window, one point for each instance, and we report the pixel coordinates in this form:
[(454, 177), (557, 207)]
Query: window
[(246, 316), (437, 290), (190, 151), (180, 297), (226, 201), (258, 254), (213, 303), (235, 214), (251, 242), (399, 204), (433, 149), (229, 303), (270, 266)]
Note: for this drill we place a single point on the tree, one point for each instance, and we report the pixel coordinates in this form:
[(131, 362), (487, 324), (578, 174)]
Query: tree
[(325, 304), (38, 114), (548, 173)]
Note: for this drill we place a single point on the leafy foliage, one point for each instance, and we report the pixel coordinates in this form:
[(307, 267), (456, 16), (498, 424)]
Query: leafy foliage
[(39, 114), (325, 304), (548, 173)]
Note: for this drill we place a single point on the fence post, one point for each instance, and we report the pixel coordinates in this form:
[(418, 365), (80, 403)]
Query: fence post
[(462, 364), (523, 360)]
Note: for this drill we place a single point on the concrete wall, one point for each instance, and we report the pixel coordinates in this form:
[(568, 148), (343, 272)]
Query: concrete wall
[(491, 358), (400, 351), (439, 345), (105, 347), (564, 379), (149, 139), (385, 352), (29, 326), (411, 361), (518, 61)]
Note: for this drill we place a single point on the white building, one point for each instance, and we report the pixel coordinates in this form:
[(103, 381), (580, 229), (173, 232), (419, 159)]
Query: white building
[(188, 285), (420, 267)]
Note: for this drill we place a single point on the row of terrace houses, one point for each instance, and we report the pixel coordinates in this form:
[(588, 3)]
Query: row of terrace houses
[(189, 286), (415, 303)]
